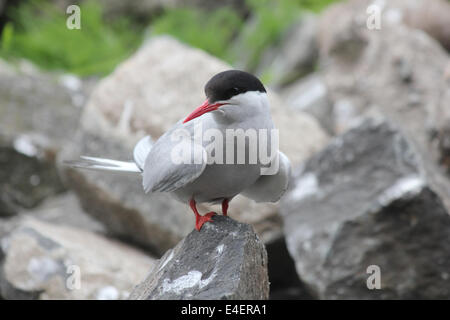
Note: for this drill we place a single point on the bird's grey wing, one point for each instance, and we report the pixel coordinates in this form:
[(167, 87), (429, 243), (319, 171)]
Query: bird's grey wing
[(141, 151), (167, 168), (270, 188)]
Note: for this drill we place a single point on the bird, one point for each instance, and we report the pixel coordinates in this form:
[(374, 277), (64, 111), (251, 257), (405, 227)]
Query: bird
[(213, 170)]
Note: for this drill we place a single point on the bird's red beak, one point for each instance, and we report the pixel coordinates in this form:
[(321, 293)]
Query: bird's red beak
[(204, 108)]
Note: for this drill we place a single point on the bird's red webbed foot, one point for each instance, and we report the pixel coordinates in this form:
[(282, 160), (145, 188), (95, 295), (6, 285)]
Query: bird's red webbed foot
[(199, 219)]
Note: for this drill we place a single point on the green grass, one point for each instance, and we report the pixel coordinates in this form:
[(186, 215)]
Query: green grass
[(315, 5), (270, 20), (224, 34), (38, 32), (211, 32)]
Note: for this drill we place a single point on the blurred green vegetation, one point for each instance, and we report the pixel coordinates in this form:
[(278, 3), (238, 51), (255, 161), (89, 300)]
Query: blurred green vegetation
[(210, 32), (35, 32), (270, 20), (214, 31), (315, 5)]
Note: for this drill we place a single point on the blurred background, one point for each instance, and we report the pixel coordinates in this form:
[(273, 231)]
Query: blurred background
[(359, 89)]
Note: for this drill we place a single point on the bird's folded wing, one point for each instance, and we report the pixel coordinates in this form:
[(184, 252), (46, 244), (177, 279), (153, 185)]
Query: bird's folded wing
[(141, 151), (166, 169), (270, 188)]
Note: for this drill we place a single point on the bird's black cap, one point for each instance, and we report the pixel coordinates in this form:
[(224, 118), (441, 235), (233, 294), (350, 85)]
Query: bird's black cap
[(227, 84)]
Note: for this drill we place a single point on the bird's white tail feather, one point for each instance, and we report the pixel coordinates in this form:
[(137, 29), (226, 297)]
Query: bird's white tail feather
[(141, 151), (101, 164)]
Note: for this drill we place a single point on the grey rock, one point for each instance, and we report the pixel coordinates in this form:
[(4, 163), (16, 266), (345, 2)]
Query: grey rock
[(396, 72), (438, 123), (310, 95), (39, 260), (45, 108), (65, 210), (39, 113), (365, 200), (244, 57), (294, 56), (429, 16), (345, 23), (8, 224), (225, 260), (443, 137), (24, 180)]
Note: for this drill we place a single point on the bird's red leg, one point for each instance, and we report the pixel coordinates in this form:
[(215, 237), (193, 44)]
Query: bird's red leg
[(200, 220), (225, 206)]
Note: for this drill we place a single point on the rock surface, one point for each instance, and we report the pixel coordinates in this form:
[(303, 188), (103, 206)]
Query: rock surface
[(225, 260), (120, 112), (43, 261), (48, 114), (295, 56), (430, 16), (364, 200), (25, 179), (65, 210), (396, 72), (39, 112), (407, 80), (310, 95)]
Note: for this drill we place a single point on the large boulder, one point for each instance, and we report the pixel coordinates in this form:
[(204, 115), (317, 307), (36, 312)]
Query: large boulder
[(294, 55), (44, 107), (396, 71), (225, 260), (147, 94), (365, 201), (45, 261), (39, 113), (25, 178), (310, 94), (430, 16), (63, 209)]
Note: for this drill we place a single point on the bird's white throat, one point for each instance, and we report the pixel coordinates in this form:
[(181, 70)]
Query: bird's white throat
[(243, 107)]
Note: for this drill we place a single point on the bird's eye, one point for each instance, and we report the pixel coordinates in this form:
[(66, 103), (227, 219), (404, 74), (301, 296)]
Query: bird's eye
[(235, 90)]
